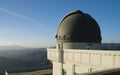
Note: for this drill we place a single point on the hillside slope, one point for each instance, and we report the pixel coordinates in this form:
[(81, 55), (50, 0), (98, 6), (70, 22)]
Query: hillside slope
[(24, 60)]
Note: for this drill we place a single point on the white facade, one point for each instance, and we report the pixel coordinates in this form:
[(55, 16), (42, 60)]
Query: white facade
[(76, 61)]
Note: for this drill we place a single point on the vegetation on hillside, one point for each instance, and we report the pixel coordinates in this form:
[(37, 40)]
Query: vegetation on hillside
[(24, 60)]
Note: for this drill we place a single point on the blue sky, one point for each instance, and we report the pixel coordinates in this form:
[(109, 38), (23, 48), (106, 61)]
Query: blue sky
[(33, 23)]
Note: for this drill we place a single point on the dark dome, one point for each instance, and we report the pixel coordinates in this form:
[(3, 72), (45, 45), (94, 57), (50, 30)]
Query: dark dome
[(78, 27)]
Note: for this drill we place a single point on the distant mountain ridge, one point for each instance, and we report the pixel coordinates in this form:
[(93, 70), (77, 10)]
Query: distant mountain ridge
[(12, 47), (110, 46)]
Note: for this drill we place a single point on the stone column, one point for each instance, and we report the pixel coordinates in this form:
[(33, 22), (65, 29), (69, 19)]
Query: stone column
[(70, 69), (58, 66)]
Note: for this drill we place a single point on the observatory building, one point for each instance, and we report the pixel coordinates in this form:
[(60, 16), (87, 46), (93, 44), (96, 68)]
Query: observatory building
[(78, 47), (78, 30)]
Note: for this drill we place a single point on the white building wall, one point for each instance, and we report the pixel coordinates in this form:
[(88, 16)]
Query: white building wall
[(85, 60), (57, 68)]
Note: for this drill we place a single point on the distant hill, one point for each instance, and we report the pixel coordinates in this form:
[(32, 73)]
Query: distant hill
[(110, 46), (22, 60), (12, 47)]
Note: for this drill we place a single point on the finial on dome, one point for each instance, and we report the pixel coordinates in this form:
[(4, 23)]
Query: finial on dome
[(77, 11)]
